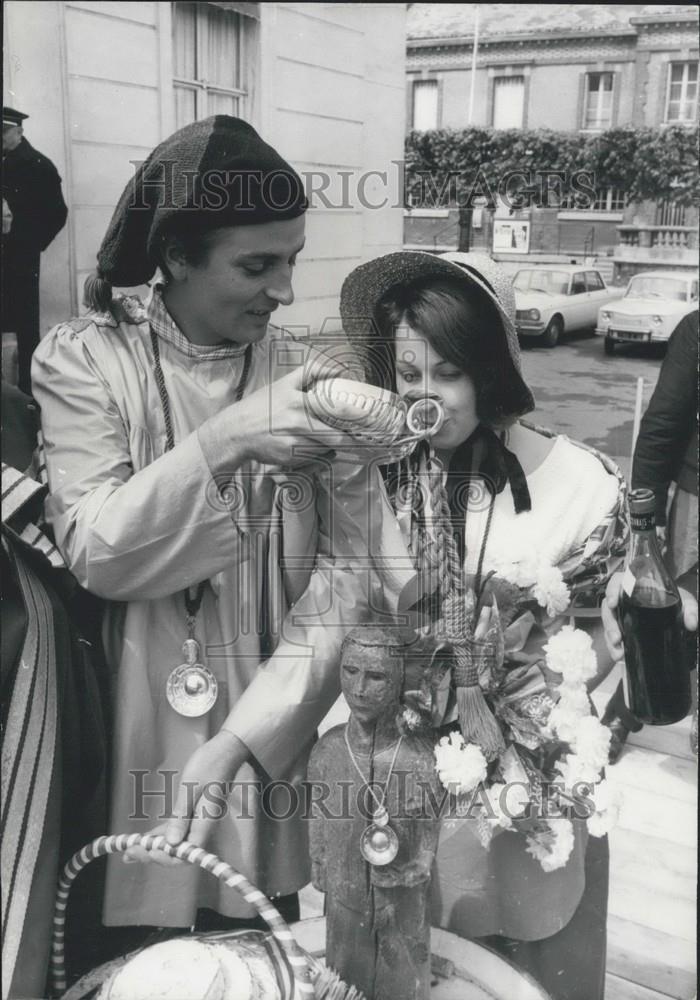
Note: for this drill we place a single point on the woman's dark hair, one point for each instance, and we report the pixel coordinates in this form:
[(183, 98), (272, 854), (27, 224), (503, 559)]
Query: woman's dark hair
[(464, 327)]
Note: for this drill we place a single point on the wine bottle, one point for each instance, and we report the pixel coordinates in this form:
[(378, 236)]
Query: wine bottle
[(657, 688)]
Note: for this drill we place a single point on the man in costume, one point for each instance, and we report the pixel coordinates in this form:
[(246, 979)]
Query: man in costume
[(189, 488)]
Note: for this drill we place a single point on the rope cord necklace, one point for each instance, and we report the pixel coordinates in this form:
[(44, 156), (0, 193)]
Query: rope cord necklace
[(379, 843), (191, 688)]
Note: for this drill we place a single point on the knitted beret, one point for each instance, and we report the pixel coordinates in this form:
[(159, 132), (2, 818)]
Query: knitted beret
[(215, 169)]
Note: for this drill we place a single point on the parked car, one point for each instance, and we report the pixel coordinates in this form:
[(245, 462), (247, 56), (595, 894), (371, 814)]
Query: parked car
[(550, 301), (651, 308)]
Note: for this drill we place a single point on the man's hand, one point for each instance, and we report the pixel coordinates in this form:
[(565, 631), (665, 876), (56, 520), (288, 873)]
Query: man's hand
[(280, 428), (215, 763), (613, 635), (273, 425)]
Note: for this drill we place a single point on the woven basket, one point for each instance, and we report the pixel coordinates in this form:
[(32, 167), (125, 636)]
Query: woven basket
[(301, 965)]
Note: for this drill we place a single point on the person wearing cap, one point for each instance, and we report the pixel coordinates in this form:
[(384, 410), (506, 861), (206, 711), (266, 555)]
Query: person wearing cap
[(442, 327), (31, 187), (190, 488)]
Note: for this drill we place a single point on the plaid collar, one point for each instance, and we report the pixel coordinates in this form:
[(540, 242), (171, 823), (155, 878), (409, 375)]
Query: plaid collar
[(167, 329)]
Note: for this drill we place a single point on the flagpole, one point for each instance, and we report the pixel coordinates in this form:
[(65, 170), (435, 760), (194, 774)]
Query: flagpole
[(472, 84)]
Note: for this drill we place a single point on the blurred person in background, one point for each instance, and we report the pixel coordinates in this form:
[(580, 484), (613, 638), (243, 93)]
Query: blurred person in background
[(31, 189)]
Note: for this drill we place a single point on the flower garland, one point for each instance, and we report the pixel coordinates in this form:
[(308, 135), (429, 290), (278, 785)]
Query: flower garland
[(530, 570), (463, 768)]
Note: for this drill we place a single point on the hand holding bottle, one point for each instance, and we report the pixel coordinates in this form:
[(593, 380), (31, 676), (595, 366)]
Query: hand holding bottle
[(613, 635), (654, 625)]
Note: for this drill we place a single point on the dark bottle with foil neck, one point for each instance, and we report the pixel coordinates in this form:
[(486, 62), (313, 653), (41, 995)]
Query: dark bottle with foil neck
[(657, 689)]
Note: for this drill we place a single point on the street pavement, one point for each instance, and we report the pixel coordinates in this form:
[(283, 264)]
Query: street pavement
[(581, 392)]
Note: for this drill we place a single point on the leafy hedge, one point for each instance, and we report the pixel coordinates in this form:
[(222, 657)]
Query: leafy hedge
[(646, 163)]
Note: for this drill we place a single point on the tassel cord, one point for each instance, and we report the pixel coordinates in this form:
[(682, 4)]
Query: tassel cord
[(477, 721)]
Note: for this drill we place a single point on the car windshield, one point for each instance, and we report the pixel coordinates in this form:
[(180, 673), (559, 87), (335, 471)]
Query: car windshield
[(643, 287), (551, 282)]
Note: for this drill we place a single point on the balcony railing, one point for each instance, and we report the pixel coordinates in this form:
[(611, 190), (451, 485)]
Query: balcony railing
[(643, 247), (629, 236), (672, 236), (660, 238)]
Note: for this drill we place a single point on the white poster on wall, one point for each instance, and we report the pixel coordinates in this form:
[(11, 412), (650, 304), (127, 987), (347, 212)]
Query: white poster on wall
[(511, 236)]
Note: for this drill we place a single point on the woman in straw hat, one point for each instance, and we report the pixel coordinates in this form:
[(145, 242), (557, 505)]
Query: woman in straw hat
[(164, 446), (443, 328)]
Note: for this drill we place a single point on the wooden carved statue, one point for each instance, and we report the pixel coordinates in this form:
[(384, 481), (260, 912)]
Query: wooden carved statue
[(374, 826)]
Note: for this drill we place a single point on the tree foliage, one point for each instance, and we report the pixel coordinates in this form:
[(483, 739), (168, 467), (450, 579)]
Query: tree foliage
[(452, 166)]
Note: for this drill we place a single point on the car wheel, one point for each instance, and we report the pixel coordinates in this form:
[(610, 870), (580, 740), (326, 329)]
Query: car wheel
[(609, 346), (552, 335)]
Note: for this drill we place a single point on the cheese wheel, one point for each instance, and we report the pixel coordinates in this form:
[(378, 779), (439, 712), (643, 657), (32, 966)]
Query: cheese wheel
[(368, 413)]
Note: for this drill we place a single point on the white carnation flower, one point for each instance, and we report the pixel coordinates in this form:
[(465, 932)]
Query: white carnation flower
[(607, 801), (570, 653), (573, 705), (411, 718), (577, 770), (519, 563), (553, 846), (460, 766), (550, 591), (592, 741), (563, 722), (574, 699)]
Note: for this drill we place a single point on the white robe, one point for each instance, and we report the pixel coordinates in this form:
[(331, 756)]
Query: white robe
[(137, 525)]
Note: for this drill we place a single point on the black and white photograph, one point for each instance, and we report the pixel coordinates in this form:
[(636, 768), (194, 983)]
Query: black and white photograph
[(349, 501)]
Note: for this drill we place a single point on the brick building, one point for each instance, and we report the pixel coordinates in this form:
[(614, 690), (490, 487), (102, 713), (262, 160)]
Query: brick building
[(568, 67)]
